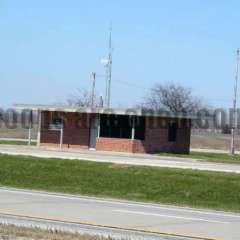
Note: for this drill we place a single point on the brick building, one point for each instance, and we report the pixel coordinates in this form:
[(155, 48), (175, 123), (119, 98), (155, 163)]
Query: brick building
[(129, 130)]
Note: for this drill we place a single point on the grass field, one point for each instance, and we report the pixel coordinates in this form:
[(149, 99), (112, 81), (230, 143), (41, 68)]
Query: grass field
[(210, 157), (8, 232), (159, 185), (213, 141), (17, 131)]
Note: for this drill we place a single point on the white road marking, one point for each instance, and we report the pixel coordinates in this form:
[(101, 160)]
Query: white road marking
[(115, 202), (169, 216)]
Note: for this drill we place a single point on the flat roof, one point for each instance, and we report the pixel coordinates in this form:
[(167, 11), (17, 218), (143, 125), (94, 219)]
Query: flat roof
[(116, 111)]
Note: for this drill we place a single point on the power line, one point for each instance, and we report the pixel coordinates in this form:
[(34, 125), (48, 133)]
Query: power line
[(130, 84)]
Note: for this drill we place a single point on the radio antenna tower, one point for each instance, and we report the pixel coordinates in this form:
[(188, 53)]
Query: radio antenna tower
[(234, 118), (109, 67), (107, 63)]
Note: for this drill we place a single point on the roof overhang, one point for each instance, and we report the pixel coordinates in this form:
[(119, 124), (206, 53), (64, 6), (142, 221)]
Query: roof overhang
[(116, 111)]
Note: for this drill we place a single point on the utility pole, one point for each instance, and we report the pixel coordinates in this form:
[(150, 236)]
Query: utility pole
[(101, 102), (30, 128), (93, 88), (61, 131), (234, 119)]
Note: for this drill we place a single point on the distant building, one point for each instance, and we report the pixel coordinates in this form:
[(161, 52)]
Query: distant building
[(119, 130)]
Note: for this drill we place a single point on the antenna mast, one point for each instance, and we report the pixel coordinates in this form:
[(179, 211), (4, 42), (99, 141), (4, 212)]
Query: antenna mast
[(109, 69), (93, 89), (234, 123), (109, 66), (107, 63)]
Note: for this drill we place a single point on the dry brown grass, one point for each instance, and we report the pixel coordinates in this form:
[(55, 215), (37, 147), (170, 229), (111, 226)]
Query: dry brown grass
[(213, 141), (9, 232), (16, 131), (116, 165)]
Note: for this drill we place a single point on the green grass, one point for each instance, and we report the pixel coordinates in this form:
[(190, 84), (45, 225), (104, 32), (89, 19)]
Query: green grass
[(160, 185), (11, 142), (211, 157)]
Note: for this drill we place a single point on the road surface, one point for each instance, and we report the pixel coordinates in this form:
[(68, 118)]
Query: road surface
[(122, 214), (120, 158), (60, 226)]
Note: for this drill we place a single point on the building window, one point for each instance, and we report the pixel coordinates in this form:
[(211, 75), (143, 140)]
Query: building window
[(172, 132), (115, 126), (56, 123), (120, 126), (139, 128)]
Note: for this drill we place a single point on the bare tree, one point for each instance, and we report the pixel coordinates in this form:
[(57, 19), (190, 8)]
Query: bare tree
[(83, 98), (173, 98)]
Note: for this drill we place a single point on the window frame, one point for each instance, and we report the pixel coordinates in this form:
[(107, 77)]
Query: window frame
[(56, 126), (121, 127), (172, 131)]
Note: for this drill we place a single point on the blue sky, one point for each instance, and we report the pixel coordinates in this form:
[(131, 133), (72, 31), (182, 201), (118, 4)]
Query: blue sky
[(49, 48)]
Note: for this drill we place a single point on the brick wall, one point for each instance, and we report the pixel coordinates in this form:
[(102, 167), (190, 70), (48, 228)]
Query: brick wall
[(77, 134), (156, 136), (114, 144), (156, 139), (76, 130)]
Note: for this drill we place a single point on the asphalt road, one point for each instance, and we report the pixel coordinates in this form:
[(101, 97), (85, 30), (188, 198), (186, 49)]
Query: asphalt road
[(148, 217), (120, 158), (114, 233)]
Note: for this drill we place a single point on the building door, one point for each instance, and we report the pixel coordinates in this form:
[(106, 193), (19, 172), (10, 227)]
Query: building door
[(93, 132)]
